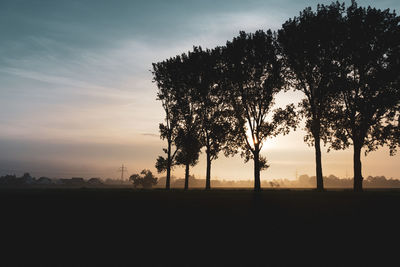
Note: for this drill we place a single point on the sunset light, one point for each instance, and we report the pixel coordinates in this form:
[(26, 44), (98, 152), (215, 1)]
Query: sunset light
[(199, 132)]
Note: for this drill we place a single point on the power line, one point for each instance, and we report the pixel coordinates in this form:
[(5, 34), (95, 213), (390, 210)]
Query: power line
[(122, 170)]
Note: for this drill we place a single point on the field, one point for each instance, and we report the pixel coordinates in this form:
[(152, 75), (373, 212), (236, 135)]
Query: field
[(81, 227)]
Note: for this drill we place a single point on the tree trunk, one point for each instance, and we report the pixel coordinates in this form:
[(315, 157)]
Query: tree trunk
[(257, 182), (318, 164), (208, 173), (187, 177), (168, 179), (358, 179)]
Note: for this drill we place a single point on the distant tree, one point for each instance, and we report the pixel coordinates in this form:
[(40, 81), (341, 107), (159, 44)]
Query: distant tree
[(252, 73), (214, 114), (144, 179), (273, 184), (26, 178), (165, 76), (367, 113), (8, 179), (136, 180), (381, 181), (308, 50)]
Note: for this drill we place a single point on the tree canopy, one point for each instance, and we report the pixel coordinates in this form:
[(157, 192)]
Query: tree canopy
[(345, 61), (164, 76), (252, 72), (215, 115), (367, 110), (308, 47)]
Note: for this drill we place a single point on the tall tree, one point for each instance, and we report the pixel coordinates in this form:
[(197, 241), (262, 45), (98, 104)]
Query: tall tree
[(367, 114), (165, 76), (308, 49), (252, 73), (215, 115), (189, 133)]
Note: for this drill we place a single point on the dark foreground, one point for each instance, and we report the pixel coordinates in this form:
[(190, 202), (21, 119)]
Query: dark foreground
[(81, 227)]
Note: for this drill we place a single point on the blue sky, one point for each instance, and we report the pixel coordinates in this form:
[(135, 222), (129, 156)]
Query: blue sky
[(76, 96)]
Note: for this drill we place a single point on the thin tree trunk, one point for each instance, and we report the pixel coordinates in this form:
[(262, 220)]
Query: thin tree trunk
[(318, 164), (187, 177), (168, 179), (257, 182), (208, 172), (358, 179)]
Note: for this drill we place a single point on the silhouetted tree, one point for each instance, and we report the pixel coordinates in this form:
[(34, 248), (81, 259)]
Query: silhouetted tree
[(165, 77), (188, 155), (146, 179), (215, 115), (308, 50), (184, 111), (367, 114), (252, 74)]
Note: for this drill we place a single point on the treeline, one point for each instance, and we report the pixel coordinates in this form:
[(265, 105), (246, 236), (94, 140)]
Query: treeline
[(146, 180), (27, 180), (345, 61), (332, 181), (303, 181)]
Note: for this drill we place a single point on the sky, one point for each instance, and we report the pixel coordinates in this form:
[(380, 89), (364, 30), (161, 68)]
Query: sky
[(77, 97)]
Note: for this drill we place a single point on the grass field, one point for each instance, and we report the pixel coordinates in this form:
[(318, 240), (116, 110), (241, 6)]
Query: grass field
[(81, 227)]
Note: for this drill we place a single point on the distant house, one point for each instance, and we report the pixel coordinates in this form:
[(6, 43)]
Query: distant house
[(44, 181), (95, 181)]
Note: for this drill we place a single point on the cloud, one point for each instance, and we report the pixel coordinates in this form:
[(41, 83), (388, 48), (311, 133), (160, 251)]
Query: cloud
[(90, 88), (151, 135)]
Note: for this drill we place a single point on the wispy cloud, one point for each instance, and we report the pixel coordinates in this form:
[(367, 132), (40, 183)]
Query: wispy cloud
[(90, 88), (151, 135)]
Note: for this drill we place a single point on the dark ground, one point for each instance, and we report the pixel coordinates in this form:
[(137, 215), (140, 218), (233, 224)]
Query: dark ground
[(81, 227)]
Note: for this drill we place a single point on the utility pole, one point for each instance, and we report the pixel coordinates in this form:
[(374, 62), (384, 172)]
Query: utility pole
[(122, 170)]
